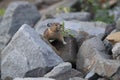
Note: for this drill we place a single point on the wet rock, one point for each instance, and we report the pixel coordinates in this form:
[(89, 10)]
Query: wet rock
[(25, 53), (69, 51), (80, 16), (116, 51), (16, 15), (92, 56), (63, 71), (77, 78), (41, 78)]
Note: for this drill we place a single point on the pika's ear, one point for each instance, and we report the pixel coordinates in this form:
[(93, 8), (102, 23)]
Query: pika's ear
[(49, 24)]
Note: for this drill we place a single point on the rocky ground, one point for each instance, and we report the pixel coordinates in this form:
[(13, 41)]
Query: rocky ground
[(91, 53)]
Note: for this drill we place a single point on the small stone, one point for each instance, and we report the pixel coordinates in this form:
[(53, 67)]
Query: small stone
[(63, 71), (41, 78), (92, 56), (17, 14), (25, 53), (80, 16)]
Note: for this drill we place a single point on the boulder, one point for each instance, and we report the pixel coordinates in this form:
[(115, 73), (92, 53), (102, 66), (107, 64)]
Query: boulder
[(63, 71), (39, 78), (92, 56), (68, 51), (80, 16), (17, 14), (27, 51), (116, 51)]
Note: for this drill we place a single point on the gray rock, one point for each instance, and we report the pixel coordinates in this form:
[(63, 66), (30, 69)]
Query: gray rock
[(17, 14), (80, 16), (52, 10), (38, 72), (92, 28), (116, 51), (116, 76), (27, 51), (77, 78), (63, 71), (69, 51), (59, 69), (40, 78), (92, 56), (118, 24)]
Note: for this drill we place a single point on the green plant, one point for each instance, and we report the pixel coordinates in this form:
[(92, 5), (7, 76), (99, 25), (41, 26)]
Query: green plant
[(2, 11), (95, 8), (64, 9), (66, 32)]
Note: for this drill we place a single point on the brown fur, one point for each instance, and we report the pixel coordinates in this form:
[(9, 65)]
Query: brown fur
[(54, 32)]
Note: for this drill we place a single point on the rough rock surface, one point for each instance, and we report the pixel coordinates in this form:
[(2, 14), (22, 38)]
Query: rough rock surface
[(68, 51), (27, 51), (116, 51), (92, 56), (41, 78), (80, 16), (92, 28), (63, 71), (16, 15)]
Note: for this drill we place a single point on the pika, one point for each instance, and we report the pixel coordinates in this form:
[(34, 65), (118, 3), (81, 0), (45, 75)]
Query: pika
[(54, 32)]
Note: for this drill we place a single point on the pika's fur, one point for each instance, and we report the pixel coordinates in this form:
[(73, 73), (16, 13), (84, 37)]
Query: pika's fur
[(54, 32)]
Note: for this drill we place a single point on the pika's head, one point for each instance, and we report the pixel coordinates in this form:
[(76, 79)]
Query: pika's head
[(55, 27)]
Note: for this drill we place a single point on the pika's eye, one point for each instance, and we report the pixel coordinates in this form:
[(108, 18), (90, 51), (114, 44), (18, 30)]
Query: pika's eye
[(49, 24)]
